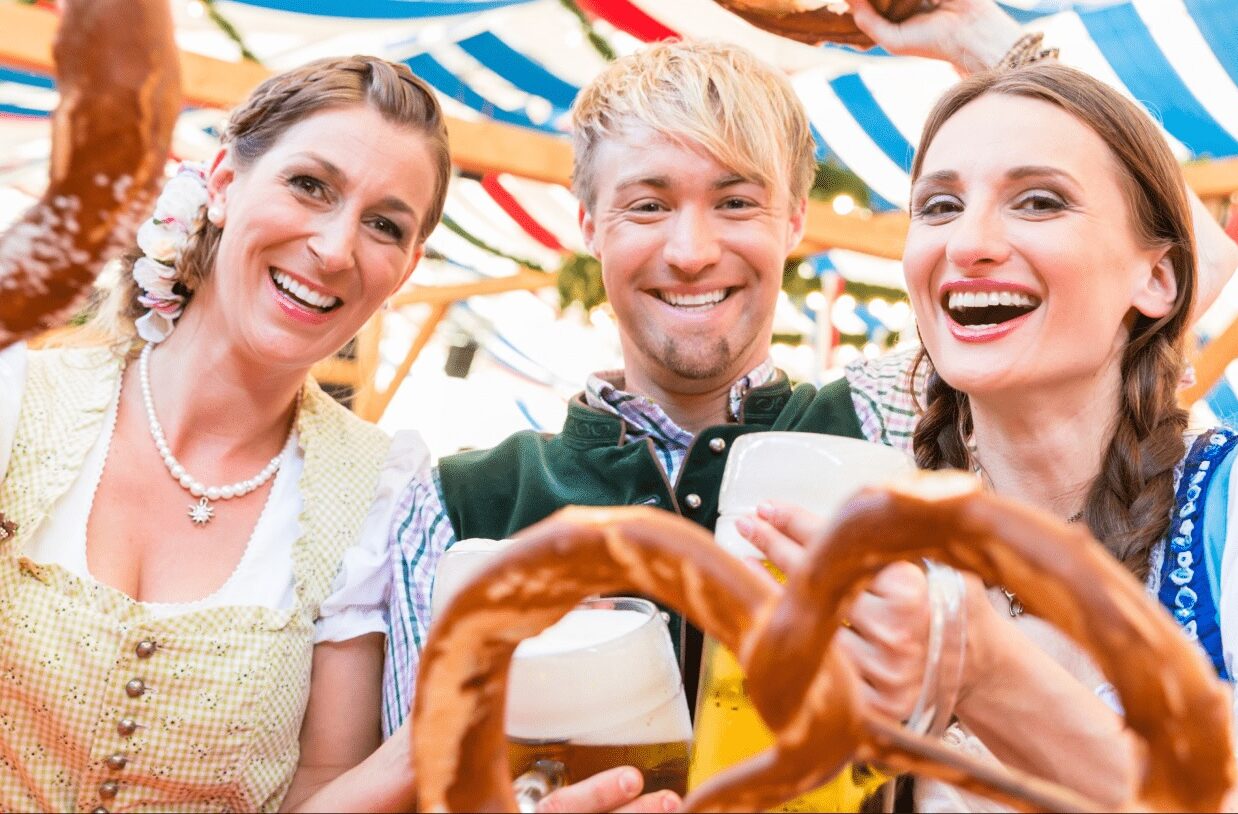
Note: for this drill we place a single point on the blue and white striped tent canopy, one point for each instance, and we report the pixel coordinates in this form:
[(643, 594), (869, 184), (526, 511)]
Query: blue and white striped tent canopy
[(522, 62)]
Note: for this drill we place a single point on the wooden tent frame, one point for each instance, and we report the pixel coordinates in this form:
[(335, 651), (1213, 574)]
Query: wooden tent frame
[(483, 146)]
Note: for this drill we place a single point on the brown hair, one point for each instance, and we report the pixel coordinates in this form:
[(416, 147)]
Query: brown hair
[(741, 111), (1129, 502), (275, 105)]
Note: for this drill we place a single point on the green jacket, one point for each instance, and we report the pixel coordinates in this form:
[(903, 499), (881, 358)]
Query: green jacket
[(497, 492)]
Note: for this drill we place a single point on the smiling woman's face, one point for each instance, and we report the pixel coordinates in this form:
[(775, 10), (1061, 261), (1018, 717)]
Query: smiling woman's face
[(1022, 263), (317, 233)]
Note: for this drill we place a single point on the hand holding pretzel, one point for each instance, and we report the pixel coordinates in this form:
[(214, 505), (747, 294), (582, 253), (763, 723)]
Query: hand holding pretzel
[(815, 23), (119, 82), (806, 692)]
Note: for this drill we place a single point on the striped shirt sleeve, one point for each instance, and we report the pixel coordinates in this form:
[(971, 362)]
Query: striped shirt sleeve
[(881, 392), (420, 533)]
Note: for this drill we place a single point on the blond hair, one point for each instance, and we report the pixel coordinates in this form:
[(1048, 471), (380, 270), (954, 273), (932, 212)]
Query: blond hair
[(715, 95)]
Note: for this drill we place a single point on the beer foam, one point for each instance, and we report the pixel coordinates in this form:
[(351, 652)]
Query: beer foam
[(598, 676), (581, 629)]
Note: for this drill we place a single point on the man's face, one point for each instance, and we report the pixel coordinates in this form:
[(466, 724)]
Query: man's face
[(692, 257)]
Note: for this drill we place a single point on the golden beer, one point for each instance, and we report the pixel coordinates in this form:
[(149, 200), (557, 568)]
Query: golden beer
[(729, 730), (816, 472), (601, 688), (664, 765)]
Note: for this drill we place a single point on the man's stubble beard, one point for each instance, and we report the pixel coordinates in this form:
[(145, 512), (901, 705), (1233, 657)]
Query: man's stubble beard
[(696, 363)]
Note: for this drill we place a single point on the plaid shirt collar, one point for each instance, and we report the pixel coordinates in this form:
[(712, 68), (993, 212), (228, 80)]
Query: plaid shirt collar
[(604, 391)]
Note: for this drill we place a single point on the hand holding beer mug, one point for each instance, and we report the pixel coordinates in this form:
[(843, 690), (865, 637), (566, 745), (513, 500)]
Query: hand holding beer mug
[(599, 689), (818, 473)]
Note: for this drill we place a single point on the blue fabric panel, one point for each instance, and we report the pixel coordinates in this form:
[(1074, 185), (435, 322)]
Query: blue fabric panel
[(26, 78), (863, 107), (824, 153), (1217, 21), (18, 110), (1123, 38), (821, 263), (823, 150), (1187, 587), (1216, 519), (383, 9), (518, 69), (448, 84), (1223, 402)]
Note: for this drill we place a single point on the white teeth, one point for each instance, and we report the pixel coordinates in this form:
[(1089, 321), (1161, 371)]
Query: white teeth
[(985, 299), (303, 292), (693, 300)]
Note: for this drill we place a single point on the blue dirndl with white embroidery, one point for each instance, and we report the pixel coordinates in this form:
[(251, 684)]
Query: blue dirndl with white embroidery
[(1186, 586)]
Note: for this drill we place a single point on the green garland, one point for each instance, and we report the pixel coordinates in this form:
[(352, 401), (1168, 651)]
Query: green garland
[(486, 247), (595, 39), (225, 25), (580, 280)]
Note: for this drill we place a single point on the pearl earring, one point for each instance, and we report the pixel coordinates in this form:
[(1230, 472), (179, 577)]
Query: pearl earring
[(215, 214)]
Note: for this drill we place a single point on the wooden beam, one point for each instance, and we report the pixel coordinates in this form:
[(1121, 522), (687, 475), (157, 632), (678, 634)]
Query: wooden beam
[(367, 359), (1212, 179), (26, 36), (878, 235), (336, 370), (1210, 363), (482, 146), (523, 280), (375, 408)]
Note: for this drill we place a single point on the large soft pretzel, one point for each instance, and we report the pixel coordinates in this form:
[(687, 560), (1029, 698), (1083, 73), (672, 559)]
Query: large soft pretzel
[(804, 690), (119, 82), (788, 19)]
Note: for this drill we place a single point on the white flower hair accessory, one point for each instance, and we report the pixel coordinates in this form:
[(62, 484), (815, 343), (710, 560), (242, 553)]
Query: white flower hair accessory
[(162, 238)]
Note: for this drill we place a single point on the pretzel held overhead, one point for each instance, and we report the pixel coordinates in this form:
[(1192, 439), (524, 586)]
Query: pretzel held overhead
[(806, 692), (119, 82), (813, 21)]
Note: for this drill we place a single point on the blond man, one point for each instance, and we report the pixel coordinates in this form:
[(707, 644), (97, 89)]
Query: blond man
[(693, 163)]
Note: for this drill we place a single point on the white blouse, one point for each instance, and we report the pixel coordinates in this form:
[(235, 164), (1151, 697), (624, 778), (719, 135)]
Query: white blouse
[(358, 603)]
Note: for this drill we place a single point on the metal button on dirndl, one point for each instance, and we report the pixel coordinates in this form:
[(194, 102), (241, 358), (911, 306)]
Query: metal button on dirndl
[(717, 444), (98, 810), (117, 762), (108, 789), (126, 727), (135, 687), (692, 501), (145, 649)]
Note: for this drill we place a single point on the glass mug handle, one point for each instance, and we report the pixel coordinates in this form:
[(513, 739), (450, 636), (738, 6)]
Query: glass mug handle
[(947, 646), (543, 777)]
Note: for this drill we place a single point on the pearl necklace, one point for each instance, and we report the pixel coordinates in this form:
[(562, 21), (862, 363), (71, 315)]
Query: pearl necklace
[(202, 511)]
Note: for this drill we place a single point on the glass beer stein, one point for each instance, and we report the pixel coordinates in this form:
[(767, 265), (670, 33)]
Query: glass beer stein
[(598, 689), (816, 472)]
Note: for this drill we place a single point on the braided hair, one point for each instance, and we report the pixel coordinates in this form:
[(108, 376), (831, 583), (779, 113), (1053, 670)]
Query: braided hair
[(1129, 502)]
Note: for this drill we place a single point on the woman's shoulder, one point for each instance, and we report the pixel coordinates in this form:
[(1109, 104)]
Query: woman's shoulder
[(321, 411), (94, 353), (398, 456)]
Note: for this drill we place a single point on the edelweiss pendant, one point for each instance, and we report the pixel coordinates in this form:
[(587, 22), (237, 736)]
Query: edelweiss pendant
[(201, 512)]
